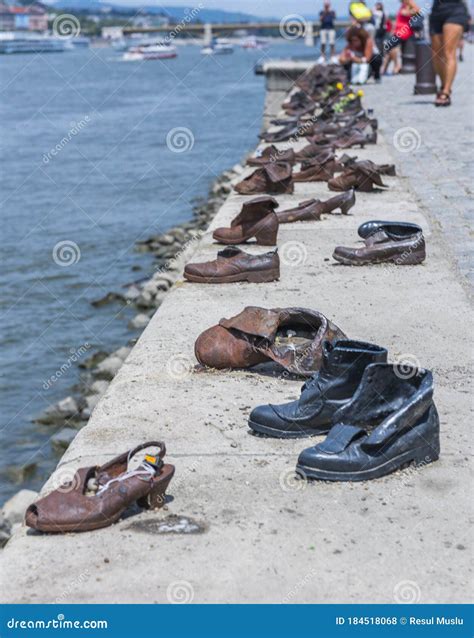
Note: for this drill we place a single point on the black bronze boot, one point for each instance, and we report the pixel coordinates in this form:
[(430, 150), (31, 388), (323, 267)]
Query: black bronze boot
[(332, 387), (391, 422)]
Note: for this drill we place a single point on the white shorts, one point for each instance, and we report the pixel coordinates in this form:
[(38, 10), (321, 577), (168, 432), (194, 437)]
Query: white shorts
[(328, 36)]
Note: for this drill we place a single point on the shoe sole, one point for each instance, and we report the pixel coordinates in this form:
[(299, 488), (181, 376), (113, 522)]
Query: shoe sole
[(411, 261), (285, 434), (250, 277), (423, 455)]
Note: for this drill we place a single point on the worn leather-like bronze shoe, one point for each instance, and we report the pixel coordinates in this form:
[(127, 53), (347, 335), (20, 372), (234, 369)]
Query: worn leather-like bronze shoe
[(97, 496), (292, 337), (274, 178), (400, 246), (312, 209), (314, 171), (362, 176), (256, 219), (272, 154), (233, 264), (314, 151)]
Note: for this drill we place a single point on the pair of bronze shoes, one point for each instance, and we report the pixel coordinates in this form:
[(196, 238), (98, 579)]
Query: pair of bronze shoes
[(98, 495), (291, 337), (398, 243), (256, 219)]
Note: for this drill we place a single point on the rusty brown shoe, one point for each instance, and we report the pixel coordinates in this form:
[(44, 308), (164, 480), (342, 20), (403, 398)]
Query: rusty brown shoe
[(361, 176), (315, 171), (256, 219), (292, 337), (97, 496), (274, 178), (312, 209), (402, 245), (272, 154), (233, 264)]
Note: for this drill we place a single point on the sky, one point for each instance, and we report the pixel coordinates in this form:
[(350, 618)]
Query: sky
[(273, 8)]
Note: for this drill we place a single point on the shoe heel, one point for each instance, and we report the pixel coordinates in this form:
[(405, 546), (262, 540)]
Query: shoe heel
[(267, 234), (345, 208), (156, 497), (264, 276)]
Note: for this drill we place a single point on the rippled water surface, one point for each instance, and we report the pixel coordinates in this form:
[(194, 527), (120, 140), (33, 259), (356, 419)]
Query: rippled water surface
[(84, 160)]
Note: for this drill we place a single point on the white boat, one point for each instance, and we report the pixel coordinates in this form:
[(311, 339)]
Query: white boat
[(17, 42), (151, 51), (220, 46), (252, 42)]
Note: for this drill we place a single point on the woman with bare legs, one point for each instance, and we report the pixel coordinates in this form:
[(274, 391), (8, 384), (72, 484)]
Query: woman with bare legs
[(448, 20)]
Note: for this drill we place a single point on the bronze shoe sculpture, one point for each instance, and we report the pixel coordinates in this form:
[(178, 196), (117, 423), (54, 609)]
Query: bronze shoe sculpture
[(314, 171), (361, 175), (274, 178), (256, 219), (272, 154), (312, 209), (233, 264), (385, 242), (97, 496), (292, 337)]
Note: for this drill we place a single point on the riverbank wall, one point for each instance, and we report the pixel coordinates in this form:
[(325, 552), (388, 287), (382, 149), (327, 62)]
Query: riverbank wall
[(238, 527)]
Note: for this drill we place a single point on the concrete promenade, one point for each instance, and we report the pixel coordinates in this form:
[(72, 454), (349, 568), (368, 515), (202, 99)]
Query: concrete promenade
[(255, 534)]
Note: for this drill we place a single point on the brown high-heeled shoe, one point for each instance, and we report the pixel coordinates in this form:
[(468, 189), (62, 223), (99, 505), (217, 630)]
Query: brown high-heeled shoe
[(256, 219), (97, 496), (361, 176), (312, 209), (355, 138), (274, 178)]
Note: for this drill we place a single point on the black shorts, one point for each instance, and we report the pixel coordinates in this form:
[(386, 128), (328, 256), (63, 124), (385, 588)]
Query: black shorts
[(447, 13)]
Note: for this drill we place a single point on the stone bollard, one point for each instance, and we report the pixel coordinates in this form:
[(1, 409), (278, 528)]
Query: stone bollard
[(408, 56), (425, 75)]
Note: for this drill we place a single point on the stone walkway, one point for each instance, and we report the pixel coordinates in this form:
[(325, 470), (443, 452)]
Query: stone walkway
[(255, 534), (433, 147)]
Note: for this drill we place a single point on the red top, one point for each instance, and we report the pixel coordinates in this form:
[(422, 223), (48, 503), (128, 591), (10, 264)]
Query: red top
[(402, 26)]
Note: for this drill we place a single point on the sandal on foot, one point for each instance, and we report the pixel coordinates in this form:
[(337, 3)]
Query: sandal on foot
[(443, 99)]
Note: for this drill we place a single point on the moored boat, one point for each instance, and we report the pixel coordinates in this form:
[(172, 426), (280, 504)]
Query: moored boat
[(151, 51)]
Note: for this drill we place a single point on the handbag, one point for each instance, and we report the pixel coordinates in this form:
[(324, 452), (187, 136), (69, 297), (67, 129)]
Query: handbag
[(359, 72)]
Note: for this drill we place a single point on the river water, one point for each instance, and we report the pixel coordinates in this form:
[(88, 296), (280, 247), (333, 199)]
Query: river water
[(86, 171)]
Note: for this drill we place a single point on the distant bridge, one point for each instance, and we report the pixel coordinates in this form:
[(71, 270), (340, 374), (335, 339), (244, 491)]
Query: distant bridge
[(291, 30)]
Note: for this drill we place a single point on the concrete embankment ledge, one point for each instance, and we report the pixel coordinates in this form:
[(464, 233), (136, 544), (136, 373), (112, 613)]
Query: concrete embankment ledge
[(242, 529)]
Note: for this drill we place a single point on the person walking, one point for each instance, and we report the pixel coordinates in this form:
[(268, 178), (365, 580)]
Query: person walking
[(327, 33), (448, 20), (380, 24)]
